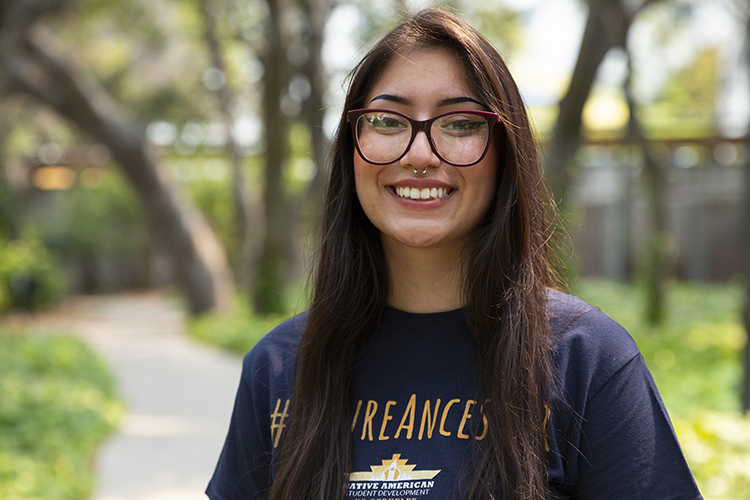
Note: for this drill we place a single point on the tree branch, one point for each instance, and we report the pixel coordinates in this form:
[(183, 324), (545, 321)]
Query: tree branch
[(200, 260)]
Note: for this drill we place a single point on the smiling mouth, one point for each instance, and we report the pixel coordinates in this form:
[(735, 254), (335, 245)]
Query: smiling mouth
[(422, 194)]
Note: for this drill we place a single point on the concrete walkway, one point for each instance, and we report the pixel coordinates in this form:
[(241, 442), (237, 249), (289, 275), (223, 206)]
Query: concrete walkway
[(179, 396)]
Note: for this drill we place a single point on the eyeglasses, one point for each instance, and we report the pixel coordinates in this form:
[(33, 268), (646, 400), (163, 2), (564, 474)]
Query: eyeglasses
[(458, 138)]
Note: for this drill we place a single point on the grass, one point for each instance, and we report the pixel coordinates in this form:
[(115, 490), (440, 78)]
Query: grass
[(694, 358), (57, 404)]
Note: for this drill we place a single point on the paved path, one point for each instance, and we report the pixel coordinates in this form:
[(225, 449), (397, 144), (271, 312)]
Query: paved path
[(179, 396)]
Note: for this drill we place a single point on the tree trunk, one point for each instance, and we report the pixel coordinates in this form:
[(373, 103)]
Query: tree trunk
[(200, 262), (242, 252), (316, 12), (657, 261), (607, 26), (269, 286), (8, 222), (746, 254), (313, 111), (746, 353)]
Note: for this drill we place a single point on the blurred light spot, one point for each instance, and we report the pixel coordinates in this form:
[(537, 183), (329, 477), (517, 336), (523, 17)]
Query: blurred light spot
[(92, 177), (49, 153), (685, 156), (698, 339), (297, 54), (193, 134), (215, 169), (717, 486), (185, 170), (726, 153), (299, 87), (216, 135), (19, 250), (664, 359), (247, 130), (253, 70), (605, 113), (53, 178), (303, 169), (161, 133), (214, 79), (290, 106), (99, 155)]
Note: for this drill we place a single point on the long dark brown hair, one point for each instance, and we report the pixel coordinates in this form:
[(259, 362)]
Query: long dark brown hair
[(506, 276)]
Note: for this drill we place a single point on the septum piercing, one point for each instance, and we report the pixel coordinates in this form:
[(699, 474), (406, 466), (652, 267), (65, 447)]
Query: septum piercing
[(424, 172)]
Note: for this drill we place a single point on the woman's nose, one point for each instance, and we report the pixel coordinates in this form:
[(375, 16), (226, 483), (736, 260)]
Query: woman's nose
[(420, 154)]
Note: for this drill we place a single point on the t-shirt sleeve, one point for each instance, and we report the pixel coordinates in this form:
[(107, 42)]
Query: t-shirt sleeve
[(243, 470), (610, 435), (261, 410), (628, 446)]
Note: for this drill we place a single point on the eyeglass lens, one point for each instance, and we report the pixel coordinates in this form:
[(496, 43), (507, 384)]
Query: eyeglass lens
[(459, 138)]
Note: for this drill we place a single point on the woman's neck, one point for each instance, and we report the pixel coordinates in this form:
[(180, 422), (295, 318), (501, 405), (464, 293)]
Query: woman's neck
[(424, 280)]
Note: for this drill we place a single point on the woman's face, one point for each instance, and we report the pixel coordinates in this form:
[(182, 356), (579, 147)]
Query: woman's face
[(423, 84)]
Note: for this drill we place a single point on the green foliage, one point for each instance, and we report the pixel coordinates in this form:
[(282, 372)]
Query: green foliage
[(215, 199), (237, 332), (501, 25), (58, 403), (268, 295), (99, 217), (26, 263), (717, 446), (693, 88), (687, 102), (145, 56), (694, 356)]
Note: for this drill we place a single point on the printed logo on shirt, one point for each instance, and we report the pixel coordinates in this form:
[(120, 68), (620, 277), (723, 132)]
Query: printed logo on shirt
[(394, 479), (412, 419)]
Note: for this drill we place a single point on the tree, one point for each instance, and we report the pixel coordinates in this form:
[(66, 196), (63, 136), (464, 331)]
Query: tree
[(270, 280), (607, 26), (745, 313), (316, 14), (8, 224), (28, 65), (658, 252), (226, 100)]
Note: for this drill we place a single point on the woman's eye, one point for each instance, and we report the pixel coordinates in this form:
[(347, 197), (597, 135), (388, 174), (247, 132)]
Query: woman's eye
[(385, 122), (463, 125)]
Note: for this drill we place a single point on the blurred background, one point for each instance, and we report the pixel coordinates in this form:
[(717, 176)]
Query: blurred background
[(180, 147)]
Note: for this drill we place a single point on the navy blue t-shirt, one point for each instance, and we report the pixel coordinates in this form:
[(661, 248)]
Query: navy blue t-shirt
[(417, 417)]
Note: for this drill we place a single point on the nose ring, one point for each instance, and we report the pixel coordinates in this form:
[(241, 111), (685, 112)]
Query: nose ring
[(424, 172)]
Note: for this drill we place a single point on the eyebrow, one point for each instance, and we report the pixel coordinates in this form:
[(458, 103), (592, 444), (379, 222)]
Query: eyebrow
[(444, 102)]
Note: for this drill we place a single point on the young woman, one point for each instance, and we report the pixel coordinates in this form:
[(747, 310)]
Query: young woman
[(435, 362)]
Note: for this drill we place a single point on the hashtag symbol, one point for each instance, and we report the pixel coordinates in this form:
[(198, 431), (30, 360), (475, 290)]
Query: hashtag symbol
[(277, 421)]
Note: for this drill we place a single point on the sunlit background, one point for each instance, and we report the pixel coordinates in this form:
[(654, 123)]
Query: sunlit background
[(161, 171)]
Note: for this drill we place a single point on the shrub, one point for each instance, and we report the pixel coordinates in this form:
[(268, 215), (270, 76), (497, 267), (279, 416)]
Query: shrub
[(237, 332), (30, 278), (58, 403)]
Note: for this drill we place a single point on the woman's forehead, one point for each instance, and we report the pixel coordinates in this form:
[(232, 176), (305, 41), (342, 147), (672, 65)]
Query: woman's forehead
[(426, 74)]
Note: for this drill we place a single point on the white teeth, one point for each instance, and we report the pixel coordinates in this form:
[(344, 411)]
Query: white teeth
[(422, 194)]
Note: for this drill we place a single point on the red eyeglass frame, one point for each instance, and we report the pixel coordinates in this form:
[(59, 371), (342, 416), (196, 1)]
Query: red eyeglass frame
[(353, 116)]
